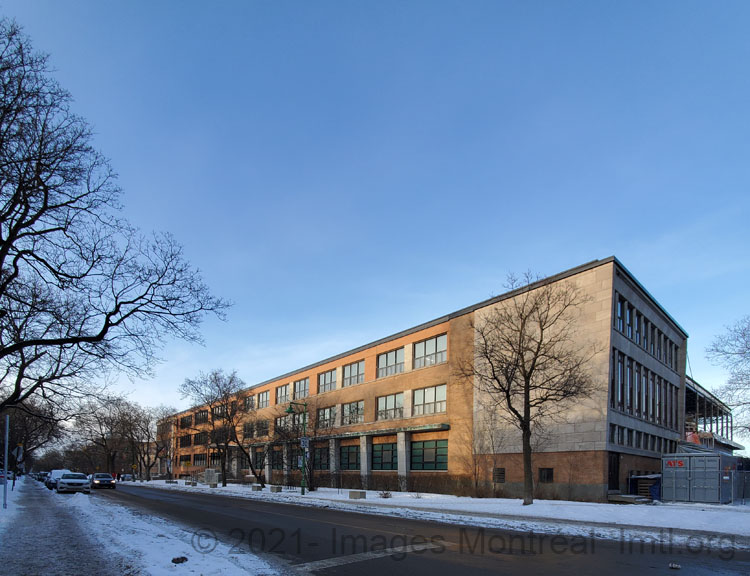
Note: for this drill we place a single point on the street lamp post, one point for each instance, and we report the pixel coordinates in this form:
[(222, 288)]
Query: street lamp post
[(290, 410)]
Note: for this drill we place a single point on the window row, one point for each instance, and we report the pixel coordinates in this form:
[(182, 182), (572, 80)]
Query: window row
[(642, 393), (627, 437), (635, 326)]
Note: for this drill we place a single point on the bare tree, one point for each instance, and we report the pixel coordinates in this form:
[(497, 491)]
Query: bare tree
[(148, 440), (527, 359), (103, 423), (732, 351), (81, 290), (219, 393)]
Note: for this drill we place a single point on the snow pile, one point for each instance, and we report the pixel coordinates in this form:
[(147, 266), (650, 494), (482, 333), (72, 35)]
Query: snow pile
[(8, 514)]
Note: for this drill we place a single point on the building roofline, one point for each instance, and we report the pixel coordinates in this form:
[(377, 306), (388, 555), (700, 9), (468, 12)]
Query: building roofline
[(472, 308), (701, 390)]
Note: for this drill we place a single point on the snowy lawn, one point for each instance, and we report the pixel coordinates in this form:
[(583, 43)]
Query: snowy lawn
[(152, 543), (727, 525)]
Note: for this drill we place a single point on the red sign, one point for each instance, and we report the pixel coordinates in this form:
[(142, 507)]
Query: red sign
[(675, 463)]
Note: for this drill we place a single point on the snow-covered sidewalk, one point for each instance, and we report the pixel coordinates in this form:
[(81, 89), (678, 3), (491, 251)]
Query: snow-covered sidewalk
[(66, 533), (680, 523)]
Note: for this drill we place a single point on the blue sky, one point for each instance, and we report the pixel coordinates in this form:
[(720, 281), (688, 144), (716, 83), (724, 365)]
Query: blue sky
[(345, 170)]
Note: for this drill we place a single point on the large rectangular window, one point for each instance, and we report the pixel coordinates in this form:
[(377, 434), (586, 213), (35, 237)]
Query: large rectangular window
[(260, 459), (391, 363), (326, 417), (263, 399), (327, 381), (249, 402), (429, 400), (261, 428), (391, 407), (321, 458), (301, 388), (283, 424), (385, 456), (277, 460), (546, 475), (429, 455), (248, 429), (185, 441), (200, 439), (282, 394), (186, 421), (431, 351), (353, 413), (201, 417), (199, 459), (354, 373), (349, 457), (185, 460)]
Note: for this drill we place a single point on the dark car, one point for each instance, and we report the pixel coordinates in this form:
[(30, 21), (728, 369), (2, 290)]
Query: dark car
[(103, 480)]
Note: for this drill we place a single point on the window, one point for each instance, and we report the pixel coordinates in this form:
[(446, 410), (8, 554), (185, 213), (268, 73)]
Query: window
[(261, 428), (283, 423), (546, 475), (349, 457), (321, 458), (263, 399), (282, 394), (185, 441), (620, 306), (629, 321), (629, 386), (429, 455), (199, 459), (354, 373), (646, 331), (390, 407), (185, 460), (327, 381), (220, 435), (429, 400), (384, 457), (638, 324), (243, 462), (249, 402), (215, 460), (200, 439), (201, 417), (248, 429), (301, 388), (219, 411), (326, 417), (391, 363), (353, 413), (498, 475), (260, 458), (186, 421), (612, 434), (431, 351), (277, 460)]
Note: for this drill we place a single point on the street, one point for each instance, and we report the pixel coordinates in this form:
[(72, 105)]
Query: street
[(318, 540)]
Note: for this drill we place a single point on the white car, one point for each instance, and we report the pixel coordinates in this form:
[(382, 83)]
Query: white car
[(52, 478), (73, 482)]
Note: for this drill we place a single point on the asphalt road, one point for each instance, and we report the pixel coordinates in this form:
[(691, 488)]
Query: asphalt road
[(311, 540)]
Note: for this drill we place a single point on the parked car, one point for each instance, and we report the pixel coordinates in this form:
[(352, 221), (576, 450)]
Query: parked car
[(53, 477), (73, 482), (127, 478), (102, 480), (42, 476)]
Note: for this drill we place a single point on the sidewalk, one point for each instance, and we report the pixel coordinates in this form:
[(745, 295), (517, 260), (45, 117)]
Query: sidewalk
[(41, 536)]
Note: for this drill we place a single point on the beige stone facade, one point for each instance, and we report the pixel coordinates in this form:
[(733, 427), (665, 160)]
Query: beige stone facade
[(407, 436)]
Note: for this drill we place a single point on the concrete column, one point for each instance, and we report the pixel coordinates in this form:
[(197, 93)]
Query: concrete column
[(403, 447), (269, 470), (339, 377), (334, 460), (408, 397), (408, 357), (337, 415), (287, 465), (365, 459)]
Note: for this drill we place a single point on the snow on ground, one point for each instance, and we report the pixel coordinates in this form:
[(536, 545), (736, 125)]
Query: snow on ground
[(7, 514), (146, 544), (710, 525), (154, 542)]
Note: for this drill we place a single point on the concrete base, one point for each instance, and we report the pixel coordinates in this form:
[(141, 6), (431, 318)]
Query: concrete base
[(275, 488), (212, 485), (357, 494), (256, 488)]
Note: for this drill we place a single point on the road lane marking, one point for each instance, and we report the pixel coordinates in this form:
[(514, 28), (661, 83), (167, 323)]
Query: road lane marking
[(362, 557)]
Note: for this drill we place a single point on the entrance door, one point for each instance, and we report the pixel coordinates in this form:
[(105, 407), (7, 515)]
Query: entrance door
[(614, 471)]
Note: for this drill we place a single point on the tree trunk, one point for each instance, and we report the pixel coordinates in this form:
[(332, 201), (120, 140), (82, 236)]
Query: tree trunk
[(528, 473)]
